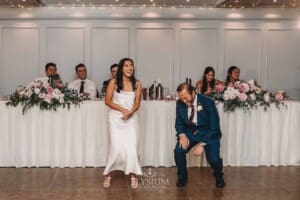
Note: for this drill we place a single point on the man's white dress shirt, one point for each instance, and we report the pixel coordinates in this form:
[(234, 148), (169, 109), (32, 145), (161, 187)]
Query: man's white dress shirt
[(89, 87)]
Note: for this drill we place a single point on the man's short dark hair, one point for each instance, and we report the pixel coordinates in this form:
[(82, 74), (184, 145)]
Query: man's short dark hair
[(79, 65), (185, 86), (49, 65), (113, 66)]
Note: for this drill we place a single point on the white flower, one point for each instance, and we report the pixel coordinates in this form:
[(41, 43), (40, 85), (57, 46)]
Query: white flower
[(56, 94), (42, 95), (258, 90), (242, 96), (37, 83), (279, 96), (254, 87), (61, 100), (226, 96), (48, 98), (28, 93), (244, 87), (253, 97), (61, 96), (267, 97), (252, 84), (22, 93), (231, 93), (56, 91), (37, 90), (199, 107), (237, 83)]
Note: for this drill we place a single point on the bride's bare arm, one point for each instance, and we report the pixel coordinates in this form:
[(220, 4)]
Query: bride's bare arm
[(138, 97)]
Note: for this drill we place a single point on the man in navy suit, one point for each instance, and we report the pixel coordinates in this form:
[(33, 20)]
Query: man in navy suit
[(197, 122)]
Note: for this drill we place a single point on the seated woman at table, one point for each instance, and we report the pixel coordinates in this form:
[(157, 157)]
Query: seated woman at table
[(233, 75), (123, 97), (208, 82)]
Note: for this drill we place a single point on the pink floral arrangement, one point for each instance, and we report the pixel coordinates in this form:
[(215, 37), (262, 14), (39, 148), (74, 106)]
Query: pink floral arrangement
[(220, 87), (45, 96), (246, 95)]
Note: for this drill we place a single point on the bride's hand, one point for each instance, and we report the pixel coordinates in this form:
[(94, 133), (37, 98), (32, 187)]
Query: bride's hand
[(126, 114)]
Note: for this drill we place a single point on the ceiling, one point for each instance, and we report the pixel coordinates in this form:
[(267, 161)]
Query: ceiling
[(154, 3)]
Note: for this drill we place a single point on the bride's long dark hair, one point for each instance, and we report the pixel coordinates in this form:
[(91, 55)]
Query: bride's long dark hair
[(120, 85)]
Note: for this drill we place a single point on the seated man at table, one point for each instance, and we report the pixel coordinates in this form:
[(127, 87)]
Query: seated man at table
[(82, 85), (51, 76), (113, 71), (197, 125)]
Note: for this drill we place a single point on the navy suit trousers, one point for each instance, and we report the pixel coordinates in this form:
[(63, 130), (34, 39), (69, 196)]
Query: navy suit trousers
[(212, 152)]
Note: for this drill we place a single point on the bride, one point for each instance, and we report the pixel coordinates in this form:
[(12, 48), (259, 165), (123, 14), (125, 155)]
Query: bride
[(123, 97)]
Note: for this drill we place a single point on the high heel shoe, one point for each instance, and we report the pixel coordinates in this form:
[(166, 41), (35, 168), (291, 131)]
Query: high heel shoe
[(134, 182), (106, 182)]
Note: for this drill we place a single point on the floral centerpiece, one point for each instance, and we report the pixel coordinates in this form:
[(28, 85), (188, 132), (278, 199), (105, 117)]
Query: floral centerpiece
[(45, 96), (246, 95)]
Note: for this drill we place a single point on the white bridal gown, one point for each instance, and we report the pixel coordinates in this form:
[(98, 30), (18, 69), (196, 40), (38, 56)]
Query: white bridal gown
[(122, 153)]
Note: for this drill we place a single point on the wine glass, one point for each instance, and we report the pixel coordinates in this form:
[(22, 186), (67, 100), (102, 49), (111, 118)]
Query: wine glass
[(174, 95), (167, 94)]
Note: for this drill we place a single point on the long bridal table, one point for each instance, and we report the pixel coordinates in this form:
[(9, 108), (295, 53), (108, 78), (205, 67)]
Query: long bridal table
[(79, 137)]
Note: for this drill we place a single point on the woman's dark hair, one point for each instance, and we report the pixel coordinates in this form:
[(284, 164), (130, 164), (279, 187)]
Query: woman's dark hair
[(120, 85), (49, 65), (229, 72), (205, 84)]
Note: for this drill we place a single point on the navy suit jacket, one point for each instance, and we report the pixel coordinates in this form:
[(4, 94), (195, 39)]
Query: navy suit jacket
[(207, 129)]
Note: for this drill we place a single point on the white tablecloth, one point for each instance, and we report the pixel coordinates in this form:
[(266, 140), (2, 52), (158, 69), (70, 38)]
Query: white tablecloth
[(79, 137)]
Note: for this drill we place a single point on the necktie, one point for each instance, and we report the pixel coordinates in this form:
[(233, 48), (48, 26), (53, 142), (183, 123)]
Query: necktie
[(81, 87), (192, 114)]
